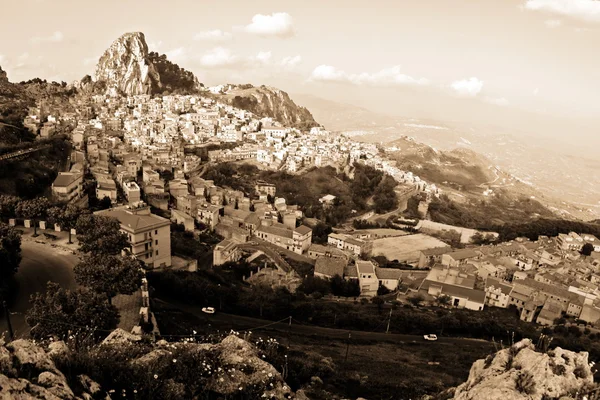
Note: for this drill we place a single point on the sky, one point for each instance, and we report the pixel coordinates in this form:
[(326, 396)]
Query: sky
[(531, 64)]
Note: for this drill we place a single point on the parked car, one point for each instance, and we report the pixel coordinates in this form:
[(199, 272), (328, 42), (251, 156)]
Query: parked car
[(208, 310), (430, 337)]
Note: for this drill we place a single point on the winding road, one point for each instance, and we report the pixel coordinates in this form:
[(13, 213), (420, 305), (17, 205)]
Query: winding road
[(225, 322), (40, 264)]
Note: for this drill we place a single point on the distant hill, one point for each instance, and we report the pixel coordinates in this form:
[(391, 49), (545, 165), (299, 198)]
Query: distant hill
[(341, 117), (266, 101), (459, 168)]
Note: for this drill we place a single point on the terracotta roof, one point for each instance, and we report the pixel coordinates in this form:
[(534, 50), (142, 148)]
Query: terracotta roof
[(330, 266), (388, 273), (437, 251), (65, 179), (350, 271), (463, 254), (275, 230), (365, 267), (135, 222), (504, 287), (303, 229)]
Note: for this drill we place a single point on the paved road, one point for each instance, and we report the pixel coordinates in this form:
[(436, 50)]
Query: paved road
[(223, 321), (40, 264)]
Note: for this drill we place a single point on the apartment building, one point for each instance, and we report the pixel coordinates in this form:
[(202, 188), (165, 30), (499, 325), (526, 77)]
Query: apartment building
[(68, 186), (149, 234)]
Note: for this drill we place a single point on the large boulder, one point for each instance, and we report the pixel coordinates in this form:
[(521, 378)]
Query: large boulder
[(520, 372)]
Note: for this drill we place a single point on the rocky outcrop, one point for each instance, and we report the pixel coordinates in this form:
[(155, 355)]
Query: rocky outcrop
[(28, 372), (126, 68), (232, 368), (3, 76), (266, 101), (520, 372)]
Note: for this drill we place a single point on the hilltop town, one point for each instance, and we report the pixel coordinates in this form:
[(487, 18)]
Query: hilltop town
[(181, 208)]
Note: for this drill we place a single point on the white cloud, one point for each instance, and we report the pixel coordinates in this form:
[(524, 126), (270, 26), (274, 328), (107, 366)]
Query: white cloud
[(55, 37), (263, 57), (277, 25), (588, 10), (387, 76), (216, 35), (553, 23), (218, 57), (499, 101), (177, 55), (291, 61), (467, 87)]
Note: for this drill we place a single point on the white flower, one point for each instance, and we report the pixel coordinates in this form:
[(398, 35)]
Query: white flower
[(174, 360), (155, 376), (240, 388), (270, 375)]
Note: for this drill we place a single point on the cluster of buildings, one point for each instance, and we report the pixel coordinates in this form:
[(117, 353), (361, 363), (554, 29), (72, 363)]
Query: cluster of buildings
[(544, 280)]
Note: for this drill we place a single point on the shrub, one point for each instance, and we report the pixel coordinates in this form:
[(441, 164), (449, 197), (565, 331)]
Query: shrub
[(525, 383), (488, 361), (580, 372), (558, 369)]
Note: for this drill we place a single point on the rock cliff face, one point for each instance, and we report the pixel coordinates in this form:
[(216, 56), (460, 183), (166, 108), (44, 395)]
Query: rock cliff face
[(125, 66), (520, 373), (266, 101), (3, 76), (123, 365)]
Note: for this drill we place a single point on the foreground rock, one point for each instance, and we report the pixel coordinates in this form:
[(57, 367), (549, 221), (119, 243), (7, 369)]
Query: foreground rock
[(520, 372), (231, 368)]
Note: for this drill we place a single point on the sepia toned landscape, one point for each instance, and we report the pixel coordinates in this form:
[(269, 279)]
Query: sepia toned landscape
[(301, 200)]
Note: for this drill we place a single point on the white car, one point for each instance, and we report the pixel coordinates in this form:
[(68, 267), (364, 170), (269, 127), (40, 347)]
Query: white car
[(208, 310), (430, 337)]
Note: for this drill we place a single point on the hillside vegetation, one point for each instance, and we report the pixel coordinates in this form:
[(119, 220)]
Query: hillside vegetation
[(486, 214), (306, 189), (459, 168)]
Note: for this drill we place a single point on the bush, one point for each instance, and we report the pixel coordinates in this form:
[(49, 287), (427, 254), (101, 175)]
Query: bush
[(580, 372), (525, 383)]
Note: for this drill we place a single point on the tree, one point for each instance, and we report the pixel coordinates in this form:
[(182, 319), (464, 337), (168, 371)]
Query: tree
[(587, 249), (416, 299), (320, 233), (385, 198), (104, 203), (8, 205), (100, 235), (33, 209), (109, 274), (10, 257), (377, 300), (61, 311), (382, 290), (258, 296), (443, 300), (66, 217)]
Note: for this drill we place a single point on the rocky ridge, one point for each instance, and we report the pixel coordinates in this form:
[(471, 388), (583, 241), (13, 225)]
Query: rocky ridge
[(520, 372), (266, 101), (3, 76), (126, 68)]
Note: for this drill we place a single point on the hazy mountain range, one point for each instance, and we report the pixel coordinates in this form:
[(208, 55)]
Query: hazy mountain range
[(557, 176)]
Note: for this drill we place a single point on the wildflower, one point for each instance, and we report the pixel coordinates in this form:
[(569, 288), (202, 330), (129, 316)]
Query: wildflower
[(155, 376), (270, 375), (134, 390), (111, 391), (240, 388), (174, 360)]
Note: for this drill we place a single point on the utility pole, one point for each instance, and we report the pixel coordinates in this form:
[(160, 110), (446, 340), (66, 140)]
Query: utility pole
[(387, 330), (288, 332), (7, 313), (347, 347)]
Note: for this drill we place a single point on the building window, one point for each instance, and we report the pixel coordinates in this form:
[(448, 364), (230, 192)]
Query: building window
[(156, 242), (156, 231), (156, 252)]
